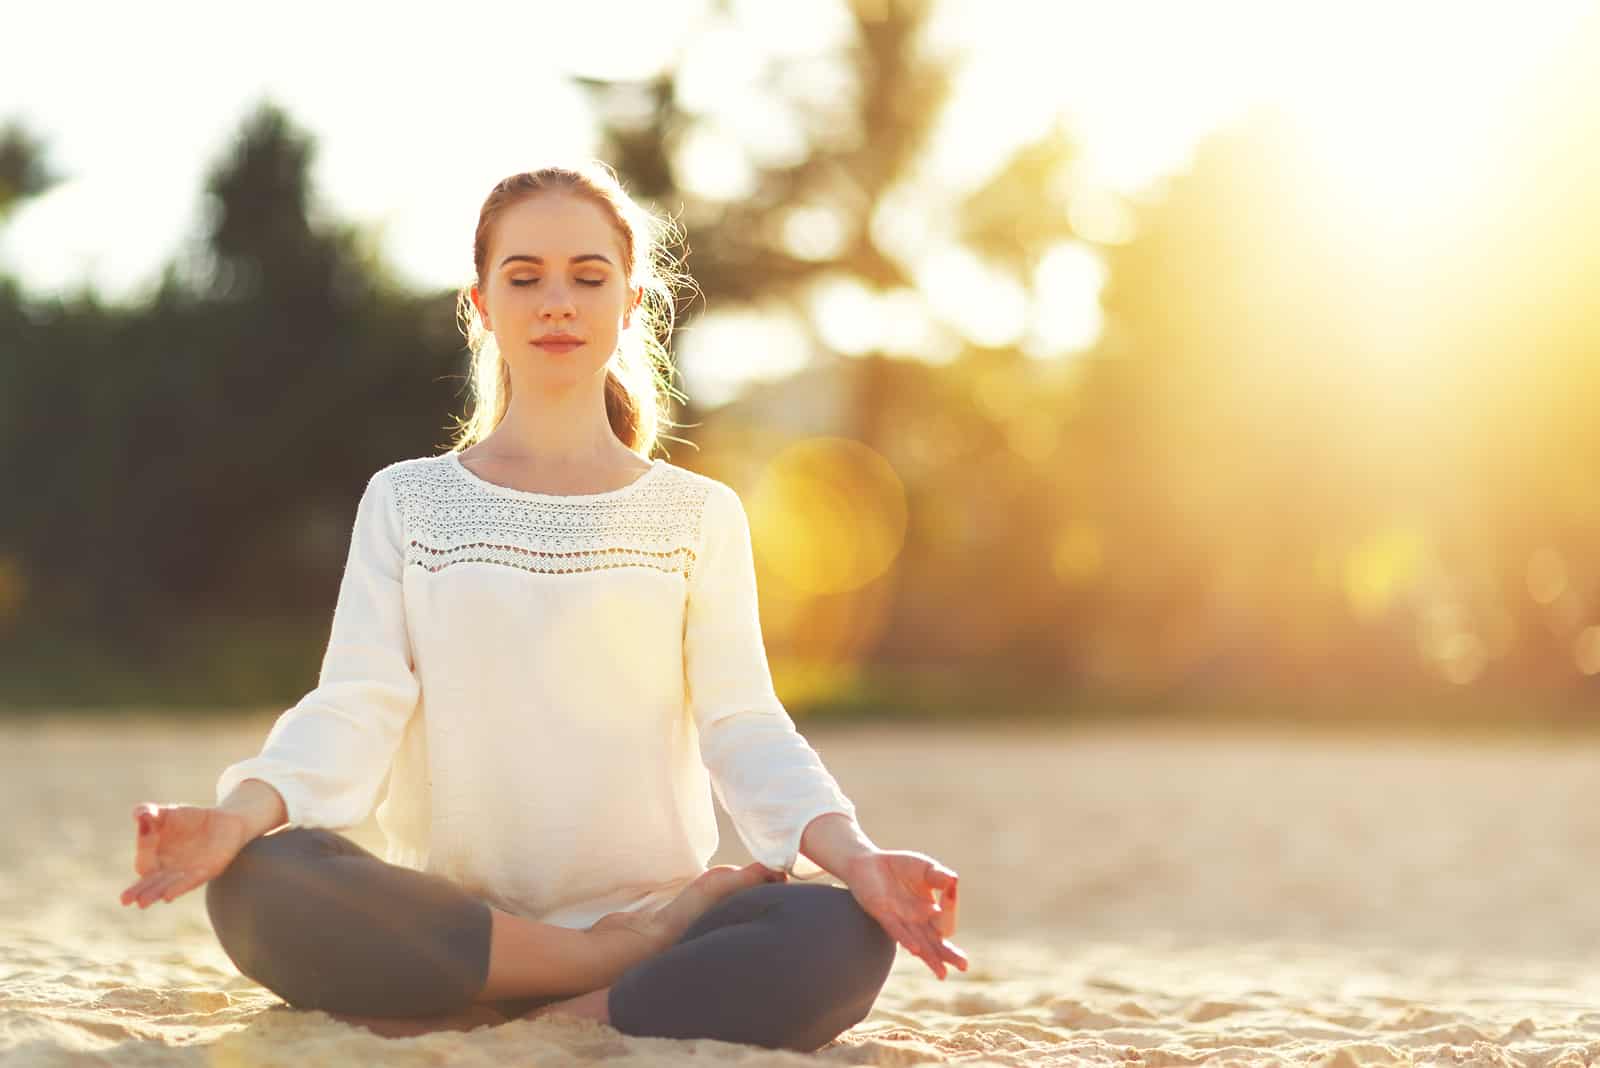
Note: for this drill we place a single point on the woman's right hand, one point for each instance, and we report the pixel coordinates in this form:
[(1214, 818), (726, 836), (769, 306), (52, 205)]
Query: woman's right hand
[(180, 847)]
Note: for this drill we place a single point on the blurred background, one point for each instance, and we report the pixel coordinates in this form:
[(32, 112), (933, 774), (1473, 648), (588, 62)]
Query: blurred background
[(1075, 360)]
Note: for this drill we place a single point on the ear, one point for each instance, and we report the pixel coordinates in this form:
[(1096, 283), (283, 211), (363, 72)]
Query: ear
[(483, 311), (627, 313)]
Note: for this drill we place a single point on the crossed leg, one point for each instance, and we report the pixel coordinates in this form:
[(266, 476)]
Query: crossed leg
[(325, 924), (786, 966)]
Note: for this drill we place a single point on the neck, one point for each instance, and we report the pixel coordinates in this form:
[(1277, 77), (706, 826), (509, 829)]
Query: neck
[(565, 426)]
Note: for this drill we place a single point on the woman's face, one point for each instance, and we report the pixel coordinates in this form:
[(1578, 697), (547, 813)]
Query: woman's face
[(554, 292)]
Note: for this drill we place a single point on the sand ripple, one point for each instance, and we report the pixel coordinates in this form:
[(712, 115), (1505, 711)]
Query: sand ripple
[(1131, 898)]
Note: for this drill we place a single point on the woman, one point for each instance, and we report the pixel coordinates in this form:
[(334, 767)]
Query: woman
[(548, 646)]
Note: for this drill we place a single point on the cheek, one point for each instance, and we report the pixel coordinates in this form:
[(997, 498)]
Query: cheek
[(508, 300), (605, 309)]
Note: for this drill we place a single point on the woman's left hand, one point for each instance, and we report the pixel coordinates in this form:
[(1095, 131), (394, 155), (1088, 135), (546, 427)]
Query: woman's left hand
[(896, 888)]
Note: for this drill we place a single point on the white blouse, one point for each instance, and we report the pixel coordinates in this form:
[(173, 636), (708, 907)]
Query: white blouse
[(551, 686)]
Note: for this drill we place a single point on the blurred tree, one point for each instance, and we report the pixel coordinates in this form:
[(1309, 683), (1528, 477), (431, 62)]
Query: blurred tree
[(24, 171), (1021, 212), (1291, 460), (864, 143), (24, 174), (861, 142), (200, 456)]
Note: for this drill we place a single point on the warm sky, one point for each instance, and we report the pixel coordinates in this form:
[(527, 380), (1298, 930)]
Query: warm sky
[(417, 115)]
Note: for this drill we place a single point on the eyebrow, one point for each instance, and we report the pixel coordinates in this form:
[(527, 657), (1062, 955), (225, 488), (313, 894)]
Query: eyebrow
[(584, 258)]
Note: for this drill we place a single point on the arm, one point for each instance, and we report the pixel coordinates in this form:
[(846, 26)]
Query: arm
[(783, 802), (767, 776), (327, 757)]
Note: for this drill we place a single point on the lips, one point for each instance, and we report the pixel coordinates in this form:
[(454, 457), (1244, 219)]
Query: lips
[(559, 343)]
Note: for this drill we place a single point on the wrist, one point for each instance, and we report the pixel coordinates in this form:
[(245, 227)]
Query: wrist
[(243, 826), (258, 807), (836, 842), (620, 940)]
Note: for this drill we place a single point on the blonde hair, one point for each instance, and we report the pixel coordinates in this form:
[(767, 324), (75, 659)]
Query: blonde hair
[(639, 386)]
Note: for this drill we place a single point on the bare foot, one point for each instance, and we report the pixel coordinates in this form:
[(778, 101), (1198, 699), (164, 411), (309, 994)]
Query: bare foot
[(467, 1019), (662, 927), (710, 887), (665, 925), (594, 1005)]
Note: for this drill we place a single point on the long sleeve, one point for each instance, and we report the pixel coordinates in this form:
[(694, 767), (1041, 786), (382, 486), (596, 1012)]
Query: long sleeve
[(764, 772), (329, 754)]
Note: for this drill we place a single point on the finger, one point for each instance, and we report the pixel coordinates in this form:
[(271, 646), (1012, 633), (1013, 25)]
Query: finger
[(940, 877), (153, 893), (901, 933), (916, 914), (148, 820), (920, 942), (937, 966), (147, 889), (954, 954), (130, 896), (915, 947), (944, 950), (164, 891), (185, 882), (941, 924), (947, 912)]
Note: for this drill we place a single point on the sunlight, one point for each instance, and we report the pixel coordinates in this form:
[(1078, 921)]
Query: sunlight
[(722, 352), (985, 304), (1407, 108), (1138, 83), (1067, 316), (1403, 105)]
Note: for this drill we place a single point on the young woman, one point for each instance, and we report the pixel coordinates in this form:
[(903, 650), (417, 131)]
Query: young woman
[(548, 646)]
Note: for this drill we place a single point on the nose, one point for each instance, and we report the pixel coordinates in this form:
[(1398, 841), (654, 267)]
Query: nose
[(557, 303)]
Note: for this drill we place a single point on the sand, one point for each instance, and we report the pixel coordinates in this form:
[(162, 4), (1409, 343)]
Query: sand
[(1131, 896)]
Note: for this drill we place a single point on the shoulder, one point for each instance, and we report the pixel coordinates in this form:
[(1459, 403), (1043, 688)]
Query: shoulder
[(693, 482), (714, 502), (411, 467), (395, 489), (711, 513), (403, 480)]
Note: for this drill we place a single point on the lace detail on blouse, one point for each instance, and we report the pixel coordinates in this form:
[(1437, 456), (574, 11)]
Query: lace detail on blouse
[(451, 518)]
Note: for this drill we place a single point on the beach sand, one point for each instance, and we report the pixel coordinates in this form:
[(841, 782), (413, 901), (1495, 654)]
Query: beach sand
[(1143, 896)]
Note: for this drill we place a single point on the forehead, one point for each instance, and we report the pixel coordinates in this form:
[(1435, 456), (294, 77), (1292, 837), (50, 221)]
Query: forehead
[(554, 226)]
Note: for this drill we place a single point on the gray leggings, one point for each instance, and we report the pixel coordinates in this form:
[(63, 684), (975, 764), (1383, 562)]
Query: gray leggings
[(325, 924)]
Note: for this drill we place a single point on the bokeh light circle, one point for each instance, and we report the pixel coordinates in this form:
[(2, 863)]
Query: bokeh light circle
[(828, 515)]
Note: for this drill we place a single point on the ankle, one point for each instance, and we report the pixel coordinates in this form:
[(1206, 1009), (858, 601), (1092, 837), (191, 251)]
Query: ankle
[(651, 931)]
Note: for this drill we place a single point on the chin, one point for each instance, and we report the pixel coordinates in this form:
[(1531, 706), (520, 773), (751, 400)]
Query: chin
[(560, 379)]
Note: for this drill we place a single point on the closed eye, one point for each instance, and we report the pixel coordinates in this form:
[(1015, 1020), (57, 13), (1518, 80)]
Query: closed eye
[(535, 281)]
